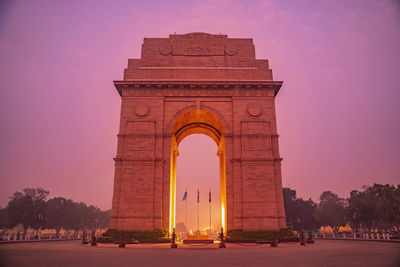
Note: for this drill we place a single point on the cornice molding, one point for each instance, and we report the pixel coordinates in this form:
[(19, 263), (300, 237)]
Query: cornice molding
[(248, 88), (247, 159)]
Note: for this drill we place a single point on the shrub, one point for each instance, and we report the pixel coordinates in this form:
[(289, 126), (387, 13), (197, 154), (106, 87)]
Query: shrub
[(136, 236), (283, 235)]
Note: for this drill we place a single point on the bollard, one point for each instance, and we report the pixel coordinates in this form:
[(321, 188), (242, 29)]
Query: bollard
[(274, 242), (222, 244), (310, 239), (84, 242), (39, 236), (174, 245), (93, 242), (121, 244), (344, 236), (9, 237), (302, 239)]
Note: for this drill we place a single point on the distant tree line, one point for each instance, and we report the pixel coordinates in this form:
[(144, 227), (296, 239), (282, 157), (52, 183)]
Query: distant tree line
[(376, 207), (33, 210)]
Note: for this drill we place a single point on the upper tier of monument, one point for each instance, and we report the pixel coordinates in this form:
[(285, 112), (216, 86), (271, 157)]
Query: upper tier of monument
[(198, 56)]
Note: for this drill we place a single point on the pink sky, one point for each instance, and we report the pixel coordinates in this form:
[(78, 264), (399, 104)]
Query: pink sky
[(338, 111)]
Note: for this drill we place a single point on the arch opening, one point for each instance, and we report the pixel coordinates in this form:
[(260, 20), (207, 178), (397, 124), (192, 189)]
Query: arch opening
[(197, 122)]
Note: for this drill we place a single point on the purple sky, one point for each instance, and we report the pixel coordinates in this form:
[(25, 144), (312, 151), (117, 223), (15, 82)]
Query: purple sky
[(338, 111)]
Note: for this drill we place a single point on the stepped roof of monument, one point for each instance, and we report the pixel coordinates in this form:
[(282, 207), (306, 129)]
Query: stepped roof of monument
[(198, 57)]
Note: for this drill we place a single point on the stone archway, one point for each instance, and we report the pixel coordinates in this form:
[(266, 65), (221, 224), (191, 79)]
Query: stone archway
[(197, 121), (197, 83)]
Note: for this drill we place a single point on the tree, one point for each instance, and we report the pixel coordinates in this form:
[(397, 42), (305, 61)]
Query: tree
[(386, 206), (331, 211), (27, 208), (31, 209), (289, 197), (396, 206), (2, 217), (55, 211), (356, 210), (104, 218), (378, 206), (299, 213), (66, 214)]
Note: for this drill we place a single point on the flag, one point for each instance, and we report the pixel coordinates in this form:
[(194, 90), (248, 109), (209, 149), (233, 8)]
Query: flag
[(184, 196), (198, 196), (209, 196)]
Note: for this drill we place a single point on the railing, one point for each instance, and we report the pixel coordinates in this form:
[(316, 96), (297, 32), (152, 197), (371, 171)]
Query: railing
[(33, 237), (354, 236)]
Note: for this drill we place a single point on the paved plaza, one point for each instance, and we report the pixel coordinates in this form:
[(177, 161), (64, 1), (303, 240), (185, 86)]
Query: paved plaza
[(322, 253)]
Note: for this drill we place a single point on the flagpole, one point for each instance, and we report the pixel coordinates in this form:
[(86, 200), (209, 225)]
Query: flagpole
[(186, 215), (198, 211), (209, 200)]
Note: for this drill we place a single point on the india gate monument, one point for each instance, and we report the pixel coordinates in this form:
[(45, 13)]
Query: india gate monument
[(197, 83)]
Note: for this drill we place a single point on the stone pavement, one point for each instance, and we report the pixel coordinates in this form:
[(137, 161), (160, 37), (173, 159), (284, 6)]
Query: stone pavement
[(322, 253)]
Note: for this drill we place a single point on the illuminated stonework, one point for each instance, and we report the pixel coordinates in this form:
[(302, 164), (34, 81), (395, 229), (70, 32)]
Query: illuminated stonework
[(197, 83)]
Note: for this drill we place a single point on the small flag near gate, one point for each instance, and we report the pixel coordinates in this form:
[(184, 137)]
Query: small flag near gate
[(198, 196), (209, 196), (184, 196)]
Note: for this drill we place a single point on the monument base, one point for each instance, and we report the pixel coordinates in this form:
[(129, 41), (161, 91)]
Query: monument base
[(198, 239)]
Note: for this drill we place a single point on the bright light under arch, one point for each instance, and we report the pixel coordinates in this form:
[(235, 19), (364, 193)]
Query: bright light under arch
[(197, 122)]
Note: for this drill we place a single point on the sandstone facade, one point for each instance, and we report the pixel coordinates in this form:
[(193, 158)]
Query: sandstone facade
[(197, 83)]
